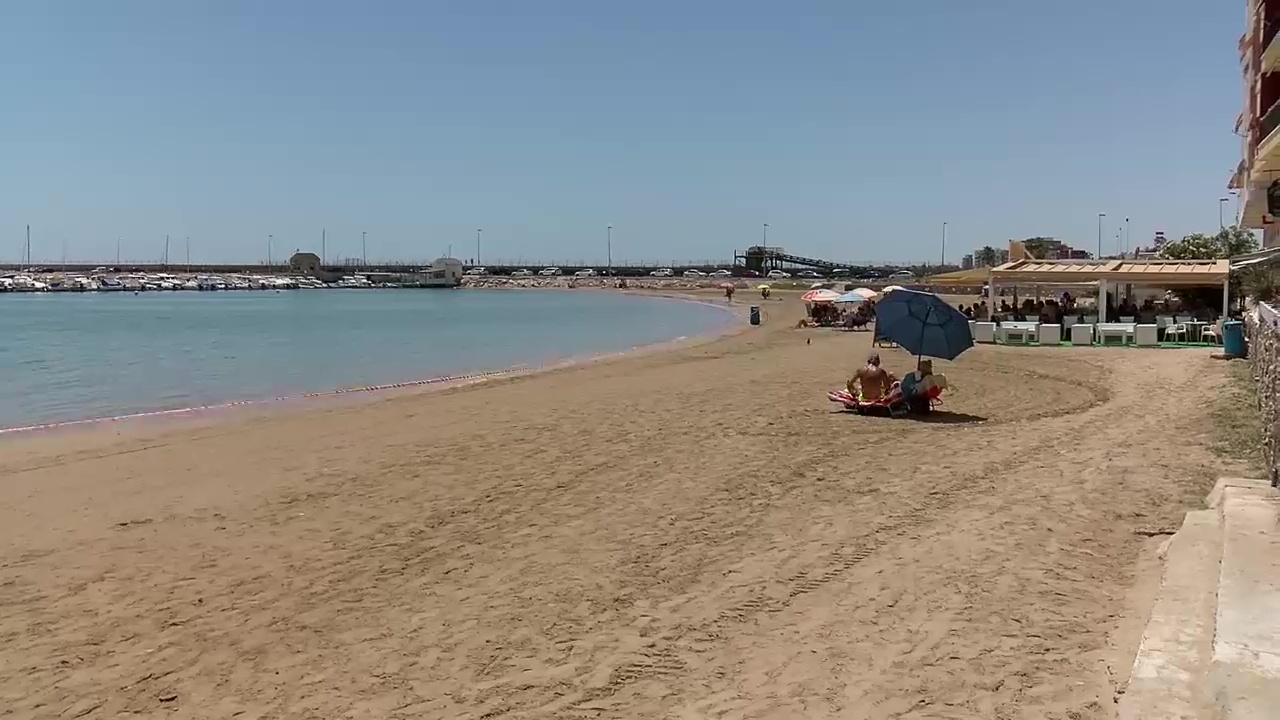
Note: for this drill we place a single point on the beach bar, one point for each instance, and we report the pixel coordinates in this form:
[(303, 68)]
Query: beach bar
[(1113, 274)]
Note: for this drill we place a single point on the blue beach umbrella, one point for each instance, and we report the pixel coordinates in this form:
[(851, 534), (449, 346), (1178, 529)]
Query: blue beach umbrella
[(923, 324)]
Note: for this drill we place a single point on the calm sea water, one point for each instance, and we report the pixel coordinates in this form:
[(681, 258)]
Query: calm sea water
[(74, 356)]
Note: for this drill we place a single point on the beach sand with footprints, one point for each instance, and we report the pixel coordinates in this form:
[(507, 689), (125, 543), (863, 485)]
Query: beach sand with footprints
[(691, 533)]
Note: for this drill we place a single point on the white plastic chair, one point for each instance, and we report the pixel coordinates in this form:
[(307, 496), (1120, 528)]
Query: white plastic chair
[(1212, 332), (1175, 330)]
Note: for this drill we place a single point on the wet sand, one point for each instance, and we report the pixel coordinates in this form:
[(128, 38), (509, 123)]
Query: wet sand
[(685, 534)]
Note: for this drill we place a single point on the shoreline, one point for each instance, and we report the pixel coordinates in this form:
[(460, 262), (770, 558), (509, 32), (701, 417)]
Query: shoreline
[(391, 389), (536, 543)]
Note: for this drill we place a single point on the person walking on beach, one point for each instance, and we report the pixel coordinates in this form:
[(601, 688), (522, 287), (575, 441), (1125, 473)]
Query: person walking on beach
[(728, 293)]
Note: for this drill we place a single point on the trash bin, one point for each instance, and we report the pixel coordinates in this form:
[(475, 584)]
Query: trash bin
[(755, 314), (1233, 339)]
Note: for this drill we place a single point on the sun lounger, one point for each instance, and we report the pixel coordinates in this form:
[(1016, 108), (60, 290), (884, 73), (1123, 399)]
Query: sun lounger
[(1018, 332), (1114, 333)]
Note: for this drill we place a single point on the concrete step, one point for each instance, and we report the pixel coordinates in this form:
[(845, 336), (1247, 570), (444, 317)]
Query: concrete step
[(1244, 679), (1168, 678)]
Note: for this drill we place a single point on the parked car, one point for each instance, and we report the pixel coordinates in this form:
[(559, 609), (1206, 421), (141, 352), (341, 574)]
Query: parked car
[(808, 274), (585, 272), (778, 274), (663, 272), (522, 272), (871, 275), (903, 275), (694, 273), (841, 272), (744, 272), (722, 273), (550, 272), (477, 271)]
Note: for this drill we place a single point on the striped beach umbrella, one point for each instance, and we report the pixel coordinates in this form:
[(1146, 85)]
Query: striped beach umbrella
[(820, 295)]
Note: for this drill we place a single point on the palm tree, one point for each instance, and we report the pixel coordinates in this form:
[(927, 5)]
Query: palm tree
[(986, 257), (1262, 283)]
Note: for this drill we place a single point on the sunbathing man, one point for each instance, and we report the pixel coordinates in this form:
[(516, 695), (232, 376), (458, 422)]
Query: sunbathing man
[(871, 382)]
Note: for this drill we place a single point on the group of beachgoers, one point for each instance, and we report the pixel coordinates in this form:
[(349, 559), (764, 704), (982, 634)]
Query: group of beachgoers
[(873, 388), (1052, 311), (831, 315)]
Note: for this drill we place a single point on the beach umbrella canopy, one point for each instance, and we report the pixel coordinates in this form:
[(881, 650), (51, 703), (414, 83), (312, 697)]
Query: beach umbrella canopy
[(815, 286), (865, 293), (820, 295), (891, 288), (851, 297), (923, 323), (765, 286), (727, 285)]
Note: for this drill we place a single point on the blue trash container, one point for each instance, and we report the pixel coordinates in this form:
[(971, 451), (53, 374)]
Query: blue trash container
[(755, 314), (1233, 339)]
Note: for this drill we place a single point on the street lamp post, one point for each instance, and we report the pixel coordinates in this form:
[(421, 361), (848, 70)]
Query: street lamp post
[(764, 235), (1221, 201), (944, 246), (608, 248), (1100, 216), (1126, 235), (478, 231), (269, 240), (364, 250)]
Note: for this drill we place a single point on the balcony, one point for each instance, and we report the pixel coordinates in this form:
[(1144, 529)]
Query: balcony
[(1270, 49), (1266, 126)]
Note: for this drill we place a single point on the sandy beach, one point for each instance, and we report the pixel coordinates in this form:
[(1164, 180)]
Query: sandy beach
[(692, 533)]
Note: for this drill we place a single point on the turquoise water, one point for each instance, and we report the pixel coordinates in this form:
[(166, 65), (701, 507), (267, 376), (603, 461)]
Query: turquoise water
[(68, 356)]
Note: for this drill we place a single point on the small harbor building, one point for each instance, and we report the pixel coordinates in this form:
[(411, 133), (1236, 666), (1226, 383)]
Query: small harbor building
[(305, 263)]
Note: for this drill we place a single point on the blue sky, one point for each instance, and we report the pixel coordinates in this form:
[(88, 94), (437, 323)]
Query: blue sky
[(853, 128)]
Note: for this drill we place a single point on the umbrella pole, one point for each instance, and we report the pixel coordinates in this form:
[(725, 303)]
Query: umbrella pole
[(920, 358)]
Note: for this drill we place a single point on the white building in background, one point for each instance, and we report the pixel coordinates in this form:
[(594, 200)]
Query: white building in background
[(447, 269)]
